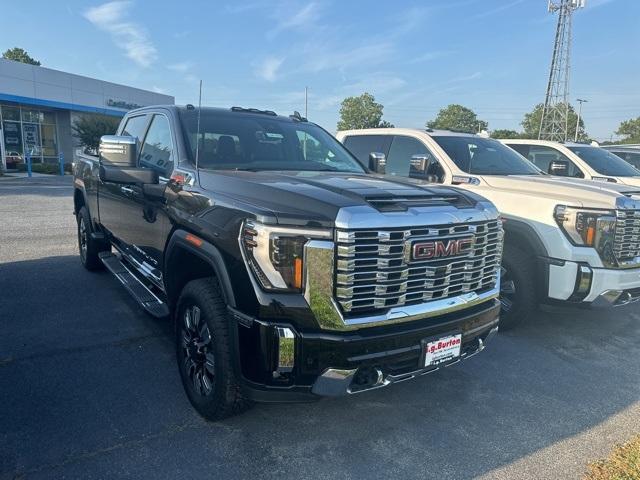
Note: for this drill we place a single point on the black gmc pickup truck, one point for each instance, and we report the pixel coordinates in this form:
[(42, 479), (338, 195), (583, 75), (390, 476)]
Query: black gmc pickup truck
[(291, 271)]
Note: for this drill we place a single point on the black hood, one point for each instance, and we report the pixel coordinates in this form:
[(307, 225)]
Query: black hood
[(316, 197)]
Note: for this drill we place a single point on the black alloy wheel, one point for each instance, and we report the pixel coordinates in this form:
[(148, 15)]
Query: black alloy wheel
[(198, 359)]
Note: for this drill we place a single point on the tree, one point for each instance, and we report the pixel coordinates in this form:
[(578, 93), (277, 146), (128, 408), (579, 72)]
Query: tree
[(457, 117), (361, 112), (531, 123), (88, 129), (19, 55), (505, 133), (631, 130)]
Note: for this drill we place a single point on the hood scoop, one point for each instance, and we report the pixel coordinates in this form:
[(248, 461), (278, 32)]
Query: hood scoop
[(401, 203)]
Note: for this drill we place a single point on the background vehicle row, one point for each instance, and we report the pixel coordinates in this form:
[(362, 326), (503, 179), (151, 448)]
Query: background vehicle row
[(566, 240)]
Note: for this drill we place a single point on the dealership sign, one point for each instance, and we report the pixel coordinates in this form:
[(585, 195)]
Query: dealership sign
[(122, 104)]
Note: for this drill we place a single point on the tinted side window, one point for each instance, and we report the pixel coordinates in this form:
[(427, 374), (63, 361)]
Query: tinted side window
[(543, 156), (135, 127), (521, 149), (362, 145), (629, 157), (633, 159), (157, 150), (399, 161)]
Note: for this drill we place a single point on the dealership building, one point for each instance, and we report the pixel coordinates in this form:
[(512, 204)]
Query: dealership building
[(39, 105)]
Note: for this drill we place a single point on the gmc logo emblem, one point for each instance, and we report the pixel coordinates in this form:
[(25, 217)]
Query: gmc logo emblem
[(439, 248)]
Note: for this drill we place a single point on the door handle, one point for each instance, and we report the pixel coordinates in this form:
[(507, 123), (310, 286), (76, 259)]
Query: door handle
[(126, 190)]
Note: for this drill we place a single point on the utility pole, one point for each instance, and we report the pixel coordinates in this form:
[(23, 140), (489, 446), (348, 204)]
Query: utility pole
[(555, 112), (581, 101), (306, 103)]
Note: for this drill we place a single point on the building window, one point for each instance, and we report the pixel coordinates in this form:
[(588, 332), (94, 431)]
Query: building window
[(28, 130)]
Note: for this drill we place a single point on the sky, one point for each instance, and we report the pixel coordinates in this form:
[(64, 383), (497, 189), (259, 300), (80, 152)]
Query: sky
[(415, 57)]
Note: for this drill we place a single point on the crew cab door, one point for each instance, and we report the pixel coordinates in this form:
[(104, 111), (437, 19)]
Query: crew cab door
[(137, 220)]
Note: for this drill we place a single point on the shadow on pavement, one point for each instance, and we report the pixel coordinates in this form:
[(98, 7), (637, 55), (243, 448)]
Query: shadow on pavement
[(89, 384)]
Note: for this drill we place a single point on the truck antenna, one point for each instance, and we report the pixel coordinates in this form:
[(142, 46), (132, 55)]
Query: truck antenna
[(198, 131)]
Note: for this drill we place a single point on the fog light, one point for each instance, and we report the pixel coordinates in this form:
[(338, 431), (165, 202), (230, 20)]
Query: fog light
[(286, 349)]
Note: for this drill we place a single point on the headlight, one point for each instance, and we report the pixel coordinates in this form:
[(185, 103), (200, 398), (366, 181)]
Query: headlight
[(276, 254), (589, 228)]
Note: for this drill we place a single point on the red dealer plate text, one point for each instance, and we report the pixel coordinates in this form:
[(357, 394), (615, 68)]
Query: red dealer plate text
[(442, 350)]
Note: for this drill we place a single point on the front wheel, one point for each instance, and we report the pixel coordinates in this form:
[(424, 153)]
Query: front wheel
[(203, 351), (517, 288)]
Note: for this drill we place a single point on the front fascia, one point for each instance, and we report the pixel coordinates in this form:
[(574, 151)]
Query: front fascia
[(537, 210)]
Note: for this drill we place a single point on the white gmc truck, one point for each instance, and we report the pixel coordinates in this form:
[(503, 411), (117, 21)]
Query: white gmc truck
[(566, 240), (576, 160)]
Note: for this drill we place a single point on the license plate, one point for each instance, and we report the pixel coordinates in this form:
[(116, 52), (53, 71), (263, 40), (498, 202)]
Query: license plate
[(442, 350)]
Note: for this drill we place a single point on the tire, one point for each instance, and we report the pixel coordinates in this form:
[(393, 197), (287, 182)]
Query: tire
[(517, 288), (88, 247), (203, 351)]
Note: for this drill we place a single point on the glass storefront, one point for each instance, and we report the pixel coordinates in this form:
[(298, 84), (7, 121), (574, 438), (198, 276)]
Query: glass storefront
[(28, 130)]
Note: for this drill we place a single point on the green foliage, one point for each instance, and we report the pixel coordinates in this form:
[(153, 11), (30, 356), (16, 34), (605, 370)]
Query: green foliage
[(630, 129), (458, 117), (19, 55), (531, 123), (361, 112), (48, 168), (506, 133), (89, 128)]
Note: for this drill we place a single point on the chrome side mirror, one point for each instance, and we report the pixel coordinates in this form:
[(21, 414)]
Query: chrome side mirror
[(559, 168), (377, 162), (118, 151), (419, 163)]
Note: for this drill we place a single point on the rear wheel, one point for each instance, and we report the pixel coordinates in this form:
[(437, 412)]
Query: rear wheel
[(88, 247), (203, 351), (517, 288)]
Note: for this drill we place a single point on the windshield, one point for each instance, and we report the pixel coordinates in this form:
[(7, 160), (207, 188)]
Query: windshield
[(604, 162), (254, 142), (484, 156)]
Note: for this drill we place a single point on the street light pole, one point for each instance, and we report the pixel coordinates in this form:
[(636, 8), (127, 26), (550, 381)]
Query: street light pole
[(581, 101)]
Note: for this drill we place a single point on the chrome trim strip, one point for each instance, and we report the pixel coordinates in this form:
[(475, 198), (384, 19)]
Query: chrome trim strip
[(144, 268), (432, 308), (286, 349), (368, 218)]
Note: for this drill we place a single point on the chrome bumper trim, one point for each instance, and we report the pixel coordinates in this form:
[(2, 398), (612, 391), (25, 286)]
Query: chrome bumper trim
[(333, 382), (615, 298), (286, 349)]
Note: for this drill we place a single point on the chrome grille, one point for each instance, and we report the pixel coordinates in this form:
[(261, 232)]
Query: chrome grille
[(626, 246), (375, 269)]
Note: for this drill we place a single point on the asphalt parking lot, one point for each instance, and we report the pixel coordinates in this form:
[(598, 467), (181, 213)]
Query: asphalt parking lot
[(89, 387)]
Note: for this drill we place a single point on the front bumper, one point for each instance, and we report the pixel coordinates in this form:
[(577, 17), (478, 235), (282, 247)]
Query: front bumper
[(337, 363), (336, 382), (608, 287)]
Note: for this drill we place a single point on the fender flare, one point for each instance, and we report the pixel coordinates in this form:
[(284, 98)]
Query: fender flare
[(517, 232), (206, 252), (79, 188), (523, 236)]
